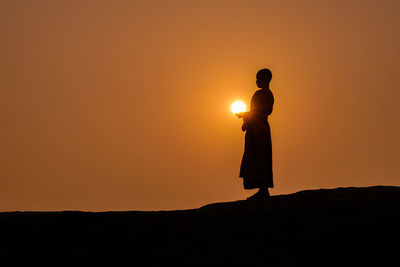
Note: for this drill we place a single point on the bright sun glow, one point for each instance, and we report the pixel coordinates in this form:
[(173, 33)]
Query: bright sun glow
[(238, 106)]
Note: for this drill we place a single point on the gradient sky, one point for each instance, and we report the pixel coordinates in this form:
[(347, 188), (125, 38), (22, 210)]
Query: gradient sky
[(125, 105)]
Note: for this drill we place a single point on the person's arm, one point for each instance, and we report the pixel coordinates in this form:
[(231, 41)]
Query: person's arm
[(245, 116), (263, 105), (268, 106), (241, 114), (244, 126)]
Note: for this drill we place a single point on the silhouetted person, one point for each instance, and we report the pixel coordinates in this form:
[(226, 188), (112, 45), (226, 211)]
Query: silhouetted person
[(256, 167)]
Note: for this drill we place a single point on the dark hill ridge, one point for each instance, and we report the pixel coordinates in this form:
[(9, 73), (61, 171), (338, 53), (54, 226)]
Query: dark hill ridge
[(327, 227)]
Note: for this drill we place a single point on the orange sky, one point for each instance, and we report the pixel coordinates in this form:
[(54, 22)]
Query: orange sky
[(125, 105)]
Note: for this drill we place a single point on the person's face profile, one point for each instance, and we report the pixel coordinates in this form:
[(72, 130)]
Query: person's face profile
[(261, 83), (258, 82)]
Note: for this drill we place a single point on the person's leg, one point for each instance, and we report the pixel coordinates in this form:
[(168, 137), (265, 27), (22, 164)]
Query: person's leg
[(261, 194)]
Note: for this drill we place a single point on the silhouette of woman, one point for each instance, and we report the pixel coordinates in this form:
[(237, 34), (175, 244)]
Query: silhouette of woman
[(256, 166)]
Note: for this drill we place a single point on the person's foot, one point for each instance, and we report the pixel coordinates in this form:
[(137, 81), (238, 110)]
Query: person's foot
[(261, 194)]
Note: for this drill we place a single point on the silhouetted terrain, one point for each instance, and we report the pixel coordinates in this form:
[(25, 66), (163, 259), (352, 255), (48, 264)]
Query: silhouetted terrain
[(330, 227)]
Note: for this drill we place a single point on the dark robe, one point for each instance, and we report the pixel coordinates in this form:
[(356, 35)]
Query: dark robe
[(256, 167)]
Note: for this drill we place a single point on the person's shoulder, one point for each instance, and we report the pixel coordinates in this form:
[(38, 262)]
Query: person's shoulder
[(263, 93), (259, 93), (265, 96)]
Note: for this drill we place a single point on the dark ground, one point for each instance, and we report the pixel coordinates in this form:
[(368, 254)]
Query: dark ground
[(330, 227)]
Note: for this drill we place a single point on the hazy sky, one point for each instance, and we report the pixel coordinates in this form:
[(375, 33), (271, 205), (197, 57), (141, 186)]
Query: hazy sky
[(117, 105)]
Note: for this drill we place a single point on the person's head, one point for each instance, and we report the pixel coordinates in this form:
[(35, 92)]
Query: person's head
[(264, 77)]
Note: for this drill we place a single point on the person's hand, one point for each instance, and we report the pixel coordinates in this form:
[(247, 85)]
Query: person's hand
[(240, 114)]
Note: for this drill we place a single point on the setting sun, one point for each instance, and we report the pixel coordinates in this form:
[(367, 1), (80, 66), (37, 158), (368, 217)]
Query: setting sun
[(238, 106)]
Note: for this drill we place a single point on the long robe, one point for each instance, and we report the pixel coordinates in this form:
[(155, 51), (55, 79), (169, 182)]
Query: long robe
[(256, 166)]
